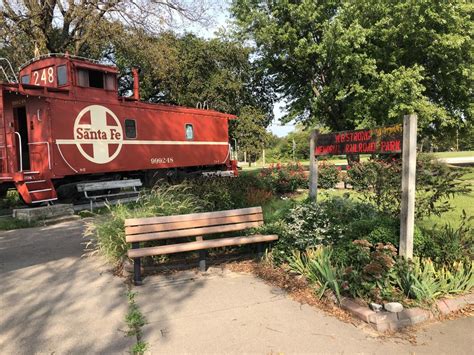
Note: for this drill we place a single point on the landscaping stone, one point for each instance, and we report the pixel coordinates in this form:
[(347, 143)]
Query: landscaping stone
[(356, 309), (443, 307), (399, 317), (393, 307), (376, 307), (415, 315)]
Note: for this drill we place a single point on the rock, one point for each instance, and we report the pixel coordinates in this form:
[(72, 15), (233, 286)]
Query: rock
[(376, 307), (393, 307)]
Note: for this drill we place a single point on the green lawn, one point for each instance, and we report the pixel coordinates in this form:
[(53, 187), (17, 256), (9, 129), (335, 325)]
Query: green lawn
[(454, 154), (278, 207)]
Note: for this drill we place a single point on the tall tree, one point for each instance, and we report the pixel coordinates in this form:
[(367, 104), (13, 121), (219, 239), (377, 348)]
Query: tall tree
[(348, 64), (84, 27)]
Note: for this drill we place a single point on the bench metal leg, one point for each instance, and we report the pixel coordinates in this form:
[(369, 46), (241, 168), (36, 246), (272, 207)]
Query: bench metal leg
[(260, 250), (137, 274), (202, 260)]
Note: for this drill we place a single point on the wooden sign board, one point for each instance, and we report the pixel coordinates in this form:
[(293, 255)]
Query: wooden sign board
[(380, 140)]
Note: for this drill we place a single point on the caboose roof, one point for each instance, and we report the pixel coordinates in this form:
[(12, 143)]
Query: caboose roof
[(78, 61)]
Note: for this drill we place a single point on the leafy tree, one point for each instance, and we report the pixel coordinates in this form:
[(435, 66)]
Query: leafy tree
[(249, 130), (351, 64), (84, 27), (188, 70)]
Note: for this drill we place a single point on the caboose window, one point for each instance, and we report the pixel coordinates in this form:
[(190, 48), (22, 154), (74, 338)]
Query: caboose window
[(62, 75), (96, 79), (25, 79), (189, 131), (130, 129), (91, 78), (110, 81)]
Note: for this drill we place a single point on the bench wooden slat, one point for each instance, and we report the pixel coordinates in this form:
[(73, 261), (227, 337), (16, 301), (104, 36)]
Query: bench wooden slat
[(208, 222), (199, 245), (191, 217), (192, 232)]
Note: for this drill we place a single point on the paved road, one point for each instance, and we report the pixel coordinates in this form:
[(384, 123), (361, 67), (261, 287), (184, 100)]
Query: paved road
[(54, 301)]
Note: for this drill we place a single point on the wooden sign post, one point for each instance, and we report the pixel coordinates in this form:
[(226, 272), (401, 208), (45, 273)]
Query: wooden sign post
[(407, 213), (313, 167)]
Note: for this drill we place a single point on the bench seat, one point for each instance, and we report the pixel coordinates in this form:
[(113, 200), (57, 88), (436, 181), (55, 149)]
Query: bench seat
[(199, 245), (194, 225)]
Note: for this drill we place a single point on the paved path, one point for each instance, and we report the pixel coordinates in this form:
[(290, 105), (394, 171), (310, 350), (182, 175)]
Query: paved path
[(54, 301), (227, 312)]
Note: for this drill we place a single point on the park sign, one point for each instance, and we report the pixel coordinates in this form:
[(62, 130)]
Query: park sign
[(379, 140)]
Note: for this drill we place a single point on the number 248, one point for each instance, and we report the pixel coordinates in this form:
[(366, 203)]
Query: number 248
[(47, 76)]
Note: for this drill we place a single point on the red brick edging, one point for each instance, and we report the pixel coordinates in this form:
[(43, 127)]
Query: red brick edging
[(383, 321)]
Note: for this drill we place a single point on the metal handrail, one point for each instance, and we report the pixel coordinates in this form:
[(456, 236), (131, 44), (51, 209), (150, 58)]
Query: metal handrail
[(20, 150), (11, 68), (49, 153)]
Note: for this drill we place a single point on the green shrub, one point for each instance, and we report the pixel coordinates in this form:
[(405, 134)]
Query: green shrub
[(328, 175), (336, 221), (284, 178), (107, 232), (447, 244), (368, 271), (380, 183)]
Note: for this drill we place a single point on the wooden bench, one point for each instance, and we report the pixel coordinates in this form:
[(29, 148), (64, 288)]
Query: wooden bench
[(109, 185), (195, 225)]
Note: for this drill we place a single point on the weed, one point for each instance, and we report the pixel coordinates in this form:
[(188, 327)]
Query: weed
[(135, 321), (8, 223)]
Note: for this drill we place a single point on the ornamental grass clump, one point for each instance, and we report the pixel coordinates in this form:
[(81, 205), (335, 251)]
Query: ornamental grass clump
[(421, 280), (107, 232)]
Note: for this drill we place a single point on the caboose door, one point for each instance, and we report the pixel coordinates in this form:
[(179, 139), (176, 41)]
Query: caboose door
[(20, 123)]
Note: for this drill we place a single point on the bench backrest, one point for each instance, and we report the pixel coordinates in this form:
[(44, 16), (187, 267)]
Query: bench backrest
[(104, 185), (192, 225)]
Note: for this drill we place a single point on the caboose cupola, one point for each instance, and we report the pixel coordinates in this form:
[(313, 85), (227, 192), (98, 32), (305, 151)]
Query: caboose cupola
[(69, 73)]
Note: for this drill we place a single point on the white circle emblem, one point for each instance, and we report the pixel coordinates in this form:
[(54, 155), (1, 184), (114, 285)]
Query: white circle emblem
[(98, 134)]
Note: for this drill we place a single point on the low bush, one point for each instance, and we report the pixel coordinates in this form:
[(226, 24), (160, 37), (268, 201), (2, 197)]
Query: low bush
[(367, 275), (447, 244), (374, 274), (328, 175), (336, 221), (379, 181), (284, 178)]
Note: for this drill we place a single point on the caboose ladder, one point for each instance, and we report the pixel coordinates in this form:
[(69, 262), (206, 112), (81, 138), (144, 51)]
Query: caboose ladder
[(37, 190)]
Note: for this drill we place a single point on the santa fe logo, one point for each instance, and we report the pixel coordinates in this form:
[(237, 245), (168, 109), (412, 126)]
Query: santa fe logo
[(98, 134)]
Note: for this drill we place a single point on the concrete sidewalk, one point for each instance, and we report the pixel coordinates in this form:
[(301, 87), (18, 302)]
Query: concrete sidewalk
[(232, 313), (54, 301)]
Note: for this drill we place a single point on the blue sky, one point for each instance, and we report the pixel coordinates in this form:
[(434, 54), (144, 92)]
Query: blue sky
[(220, 16)]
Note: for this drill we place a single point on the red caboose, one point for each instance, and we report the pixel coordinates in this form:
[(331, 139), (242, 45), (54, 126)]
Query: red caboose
[(63, 122)]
